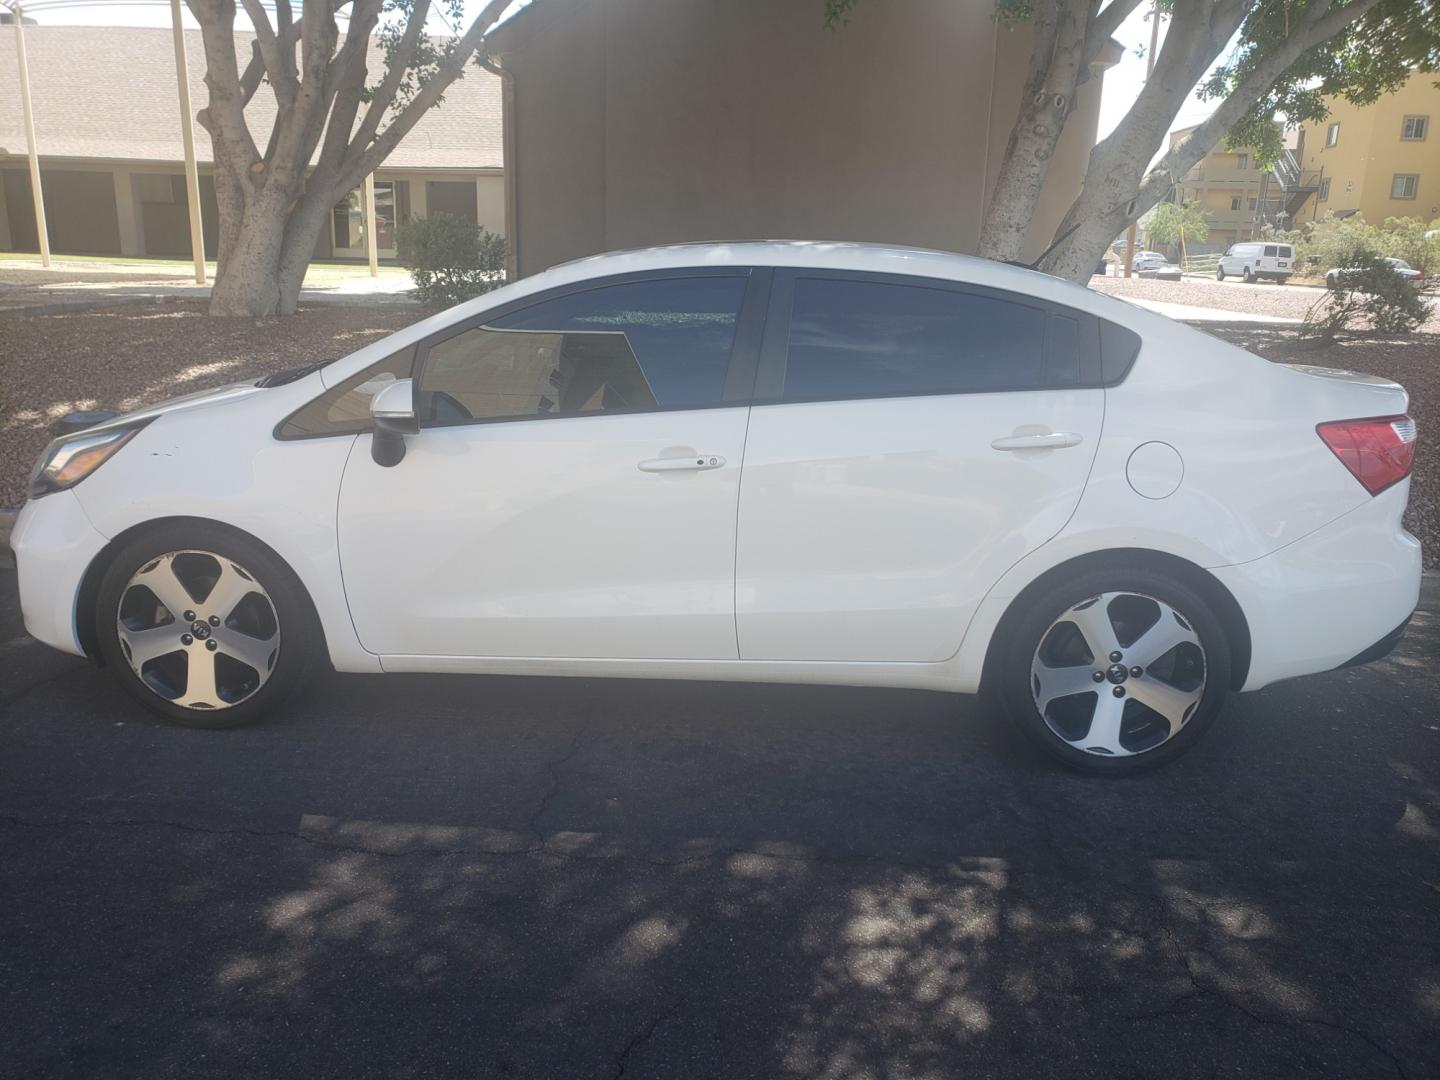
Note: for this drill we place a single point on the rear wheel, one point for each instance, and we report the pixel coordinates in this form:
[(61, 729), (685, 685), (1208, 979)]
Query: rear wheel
[(1117, 671), (1219, 273), (1247, 276), (204, 626)]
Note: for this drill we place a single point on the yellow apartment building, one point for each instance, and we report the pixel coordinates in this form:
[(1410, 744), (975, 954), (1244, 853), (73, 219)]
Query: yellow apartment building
[(1380, 160), (1238, 196)]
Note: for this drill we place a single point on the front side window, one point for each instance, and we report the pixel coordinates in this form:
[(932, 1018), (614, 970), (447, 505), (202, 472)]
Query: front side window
[(1404, 186), (1414, 128), (872, 339), (345, 409), (640, 345)]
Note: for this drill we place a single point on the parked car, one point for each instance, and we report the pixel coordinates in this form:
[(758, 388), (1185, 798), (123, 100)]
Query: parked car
[(1256, 262), (1334, 278), (1149, 260), (813, 463)]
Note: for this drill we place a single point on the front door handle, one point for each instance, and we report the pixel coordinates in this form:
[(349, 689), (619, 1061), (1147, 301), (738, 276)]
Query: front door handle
[(1051, 440), (682, 464)]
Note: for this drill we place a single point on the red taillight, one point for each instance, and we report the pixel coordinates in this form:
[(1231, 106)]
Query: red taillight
[(1379, 451)]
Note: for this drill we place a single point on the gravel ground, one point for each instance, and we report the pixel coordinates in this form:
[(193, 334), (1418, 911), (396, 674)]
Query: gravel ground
[(1287, 301), (131, 356)]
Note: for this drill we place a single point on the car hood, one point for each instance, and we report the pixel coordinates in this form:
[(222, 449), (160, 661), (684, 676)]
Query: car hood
[(187, 401)]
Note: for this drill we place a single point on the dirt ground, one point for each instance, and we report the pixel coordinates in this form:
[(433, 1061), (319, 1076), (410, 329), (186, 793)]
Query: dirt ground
[(135, 355), (131, 356)]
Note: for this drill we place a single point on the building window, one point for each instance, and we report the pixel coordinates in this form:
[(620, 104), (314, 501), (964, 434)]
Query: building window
[(1242, 162), (159, 188), (1234, 202), (1415, 128), (1324, 195), (1404, 186), (1332, 136), (1251, 204), (392, 206)]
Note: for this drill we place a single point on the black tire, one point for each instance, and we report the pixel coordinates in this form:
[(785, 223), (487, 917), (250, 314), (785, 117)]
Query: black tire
[(1248, 277), (301, 640), (1219, 273), (1041, 612)]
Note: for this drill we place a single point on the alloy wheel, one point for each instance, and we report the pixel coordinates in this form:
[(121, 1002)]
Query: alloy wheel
[(1118, 674), (198, 629)]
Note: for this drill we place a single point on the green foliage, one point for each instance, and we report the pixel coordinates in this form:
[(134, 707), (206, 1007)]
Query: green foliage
[(1167, 219), (1370, 295), (449, 259), (1339, 242), (429, 53), (1373, 57)]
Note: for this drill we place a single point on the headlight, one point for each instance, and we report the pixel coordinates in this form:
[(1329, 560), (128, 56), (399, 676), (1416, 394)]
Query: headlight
[(69, 460)]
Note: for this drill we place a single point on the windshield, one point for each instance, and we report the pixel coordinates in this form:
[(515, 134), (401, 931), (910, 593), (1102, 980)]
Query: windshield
[(1399, 264)]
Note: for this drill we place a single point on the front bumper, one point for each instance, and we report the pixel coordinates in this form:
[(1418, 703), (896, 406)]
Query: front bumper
[(1331, 597), (54, 544)]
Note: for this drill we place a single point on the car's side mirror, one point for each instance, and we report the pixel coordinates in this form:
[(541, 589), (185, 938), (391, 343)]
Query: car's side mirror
[(392, 411)]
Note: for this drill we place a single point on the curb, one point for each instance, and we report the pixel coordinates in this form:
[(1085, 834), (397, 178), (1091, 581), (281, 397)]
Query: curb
[(7, 523), (62, 307)]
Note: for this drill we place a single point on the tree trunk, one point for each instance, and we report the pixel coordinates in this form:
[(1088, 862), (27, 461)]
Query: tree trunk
[(250, 284), (1057, 59), (306, 222)]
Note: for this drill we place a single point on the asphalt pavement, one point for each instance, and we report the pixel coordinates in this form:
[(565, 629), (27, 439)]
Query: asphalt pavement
[(493, 877)]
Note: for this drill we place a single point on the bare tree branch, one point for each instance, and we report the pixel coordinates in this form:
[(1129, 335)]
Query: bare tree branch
[(362, 160), (279, 61), (346, 85), (224, 115), (400, 62)]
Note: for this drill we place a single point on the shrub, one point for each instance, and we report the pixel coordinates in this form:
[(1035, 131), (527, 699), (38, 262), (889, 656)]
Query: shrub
[(449, 259), (1372, 294)]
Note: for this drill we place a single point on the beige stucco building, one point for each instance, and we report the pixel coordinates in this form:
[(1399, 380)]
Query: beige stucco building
[(634, 122), (1381, 160), (107, 124)]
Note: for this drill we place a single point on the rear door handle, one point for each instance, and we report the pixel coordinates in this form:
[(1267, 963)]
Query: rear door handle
[(1052, 440), (682, 464)]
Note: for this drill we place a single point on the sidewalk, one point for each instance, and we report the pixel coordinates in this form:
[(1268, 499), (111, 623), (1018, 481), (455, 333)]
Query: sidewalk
[(74, 284)]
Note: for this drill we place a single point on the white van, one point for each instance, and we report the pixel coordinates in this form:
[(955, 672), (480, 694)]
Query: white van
[(1255, 261)]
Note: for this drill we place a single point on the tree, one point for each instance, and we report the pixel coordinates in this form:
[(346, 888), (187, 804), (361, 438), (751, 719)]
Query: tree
[(1170, 218), (273, 204), (1277, 45)]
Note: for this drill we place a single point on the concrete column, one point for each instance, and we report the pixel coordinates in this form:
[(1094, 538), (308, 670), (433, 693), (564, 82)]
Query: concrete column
[(418, 201), (37, 194), (127, 215), (371, 240)]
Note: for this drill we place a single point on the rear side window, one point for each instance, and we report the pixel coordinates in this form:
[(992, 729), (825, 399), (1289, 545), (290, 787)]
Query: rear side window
[(638, 345), (1271, 250), (872, 339), (1285, 252)]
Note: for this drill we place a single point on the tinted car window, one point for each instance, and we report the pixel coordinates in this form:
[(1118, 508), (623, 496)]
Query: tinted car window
[(862, 339), (638, 345), (1271, 250), (345, 409)]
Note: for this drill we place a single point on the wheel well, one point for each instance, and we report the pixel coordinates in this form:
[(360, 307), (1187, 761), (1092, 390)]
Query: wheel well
[(1227, 610), (85, 600)]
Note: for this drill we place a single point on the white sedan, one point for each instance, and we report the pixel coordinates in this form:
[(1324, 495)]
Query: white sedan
[(821, 463), (1334, 278)]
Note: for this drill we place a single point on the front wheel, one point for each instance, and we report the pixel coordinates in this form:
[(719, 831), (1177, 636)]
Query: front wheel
[(1117, 671), (1219, 273), (1247, 276), (204, 626)]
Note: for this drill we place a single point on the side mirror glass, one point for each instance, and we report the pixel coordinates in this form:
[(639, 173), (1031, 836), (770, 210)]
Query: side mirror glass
[(392, 411)]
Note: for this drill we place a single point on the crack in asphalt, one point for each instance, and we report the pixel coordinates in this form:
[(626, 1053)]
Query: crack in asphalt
[(1206, 990), (640, 1038), (553, 768)]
